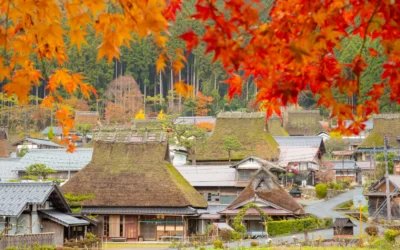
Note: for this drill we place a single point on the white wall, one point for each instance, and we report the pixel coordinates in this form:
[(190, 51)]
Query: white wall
[(179, 158)]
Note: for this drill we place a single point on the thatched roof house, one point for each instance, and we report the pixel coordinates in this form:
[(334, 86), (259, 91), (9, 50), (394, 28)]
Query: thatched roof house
[(249, 128), (275, 126), (133, 181), (384, 125), (87, 117), (302, 122), (265, 191)]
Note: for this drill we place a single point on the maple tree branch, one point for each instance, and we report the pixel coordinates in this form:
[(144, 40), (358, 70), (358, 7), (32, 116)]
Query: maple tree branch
[(368, 24)]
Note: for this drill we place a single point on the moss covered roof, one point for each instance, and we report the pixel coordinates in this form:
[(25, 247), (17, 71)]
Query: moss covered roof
[(275, 127), (303, 122), (133, 175), (250, 130), (265, 186), (384, 125)]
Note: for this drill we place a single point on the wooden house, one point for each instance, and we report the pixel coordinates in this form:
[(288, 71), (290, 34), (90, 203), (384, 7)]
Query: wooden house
[(377, 196), (5, 148), (264, 191), (39, 207), (35, 143), (383, 125), (343, 227), (302, 122), (249, 128), (138, 193), (347, 170)]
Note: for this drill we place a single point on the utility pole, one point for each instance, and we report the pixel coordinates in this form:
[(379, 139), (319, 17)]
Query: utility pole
[(389, 215)]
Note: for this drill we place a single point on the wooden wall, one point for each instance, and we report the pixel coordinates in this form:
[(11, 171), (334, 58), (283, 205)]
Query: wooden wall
[(58, 230)]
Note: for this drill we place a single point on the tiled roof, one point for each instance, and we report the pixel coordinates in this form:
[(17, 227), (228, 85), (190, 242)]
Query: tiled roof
[(58, 159), (298, 141), (212, 209), (209, 176), (297, 154), (266, 163), (194, 119), (138, 210), (15, 196), (56, 131), (343, 222), (9, 169), (346, 164), (62, 218), (38, 141)]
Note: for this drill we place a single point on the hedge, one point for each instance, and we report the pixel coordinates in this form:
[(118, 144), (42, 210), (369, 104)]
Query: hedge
[(299, 225)]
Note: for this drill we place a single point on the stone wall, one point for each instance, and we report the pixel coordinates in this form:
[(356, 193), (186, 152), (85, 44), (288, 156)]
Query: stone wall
[(331, 192)]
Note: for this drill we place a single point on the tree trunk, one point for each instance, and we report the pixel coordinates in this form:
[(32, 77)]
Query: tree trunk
[(180, 95), (193, 155), (144, 99), (161, 94), (172, 89), (229, 156)]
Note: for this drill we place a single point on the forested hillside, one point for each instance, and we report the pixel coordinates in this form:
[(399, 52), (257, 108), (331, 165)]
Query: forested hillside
[(127, 85)]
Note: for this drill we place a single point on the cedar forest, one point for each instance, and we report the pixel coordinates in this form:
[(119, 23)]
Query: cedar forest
[(198, 57)]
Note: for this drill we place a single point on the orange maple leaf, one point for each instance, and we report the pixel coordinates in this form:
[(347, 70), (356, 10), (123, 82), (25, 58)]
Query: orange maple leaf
[(183, 89)]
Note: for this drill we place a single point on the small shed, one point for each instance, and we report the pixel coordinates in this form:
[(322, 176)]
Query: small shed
[(295, 192), (343, 226)]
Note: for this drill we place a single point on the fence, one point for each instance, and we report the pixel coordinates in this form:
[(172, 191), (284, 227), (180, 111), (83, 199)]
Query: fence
[(26, 240)]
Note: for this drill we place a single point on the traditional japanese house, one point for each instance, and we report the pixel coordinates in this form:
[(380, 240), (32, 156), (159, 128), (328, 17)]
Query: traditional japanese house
[(40, 207), (383, 125), (302, 122), (5, 148), (87, 117), (138, 194), (264, 191), (35, 143), (343, 227), (251, 131), (221, 184), (347, 170), (377, 197), (275, 126)]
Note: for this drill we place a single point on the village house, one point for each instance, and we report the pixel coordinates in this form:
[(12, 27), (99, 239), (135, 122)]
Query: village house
[(269, 196), (275, 126), (383, 125), (221, 184), (250, 130), (87, 117), (302, 122), (347, 170), (194, 120), (138, 193), (396, 167), (377, 197), (34, 143), (40, 207), (5, 147), (301, 156)]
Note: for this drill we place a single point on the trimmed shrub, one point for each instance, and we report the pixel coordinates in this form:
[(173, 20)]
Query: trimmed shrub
[(331, 185), (225, 235), (372, 230), (345, 184), (338, 186), (254, 244), (218, 244), (291, 226), (390, 234), (321, 190)]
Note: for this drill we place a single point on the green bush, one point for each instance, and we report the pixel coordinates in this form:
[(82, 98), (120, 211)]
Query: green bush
[(338, 186), (254, 244), (218, 244), (321, 190), (331, 185), (372, 230), (345, 184), (390, 234), (291, 226)]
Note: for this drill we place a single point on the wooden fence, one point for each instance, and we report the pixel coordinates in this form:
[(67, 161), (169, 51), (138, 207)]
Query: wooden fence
[(26, 240)]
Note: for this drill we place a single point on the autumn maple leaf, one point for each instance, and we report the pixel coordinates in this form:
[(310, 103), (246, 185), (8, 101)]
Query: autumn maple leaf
[(191, 40), (183, 89)]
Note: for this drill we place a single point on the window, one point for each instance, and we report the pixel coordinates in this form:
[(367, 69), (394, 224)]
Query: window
[(121, 226), (106, 225), (227, 199), (213, 197), (245, 175)]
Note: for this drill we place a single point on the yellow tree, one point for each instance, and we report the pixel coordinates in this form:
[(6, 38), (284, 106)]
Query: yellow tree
[(161, 115), (140, 115)]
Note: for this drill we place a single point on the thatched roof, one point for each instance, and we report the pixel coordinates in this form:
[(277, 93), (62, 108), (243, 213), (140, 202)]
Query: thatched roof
[(264, 186), (275, 127), (303, 122), (4, 148), (384, 125), (250, 130), (134, 174), (87, 117)]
